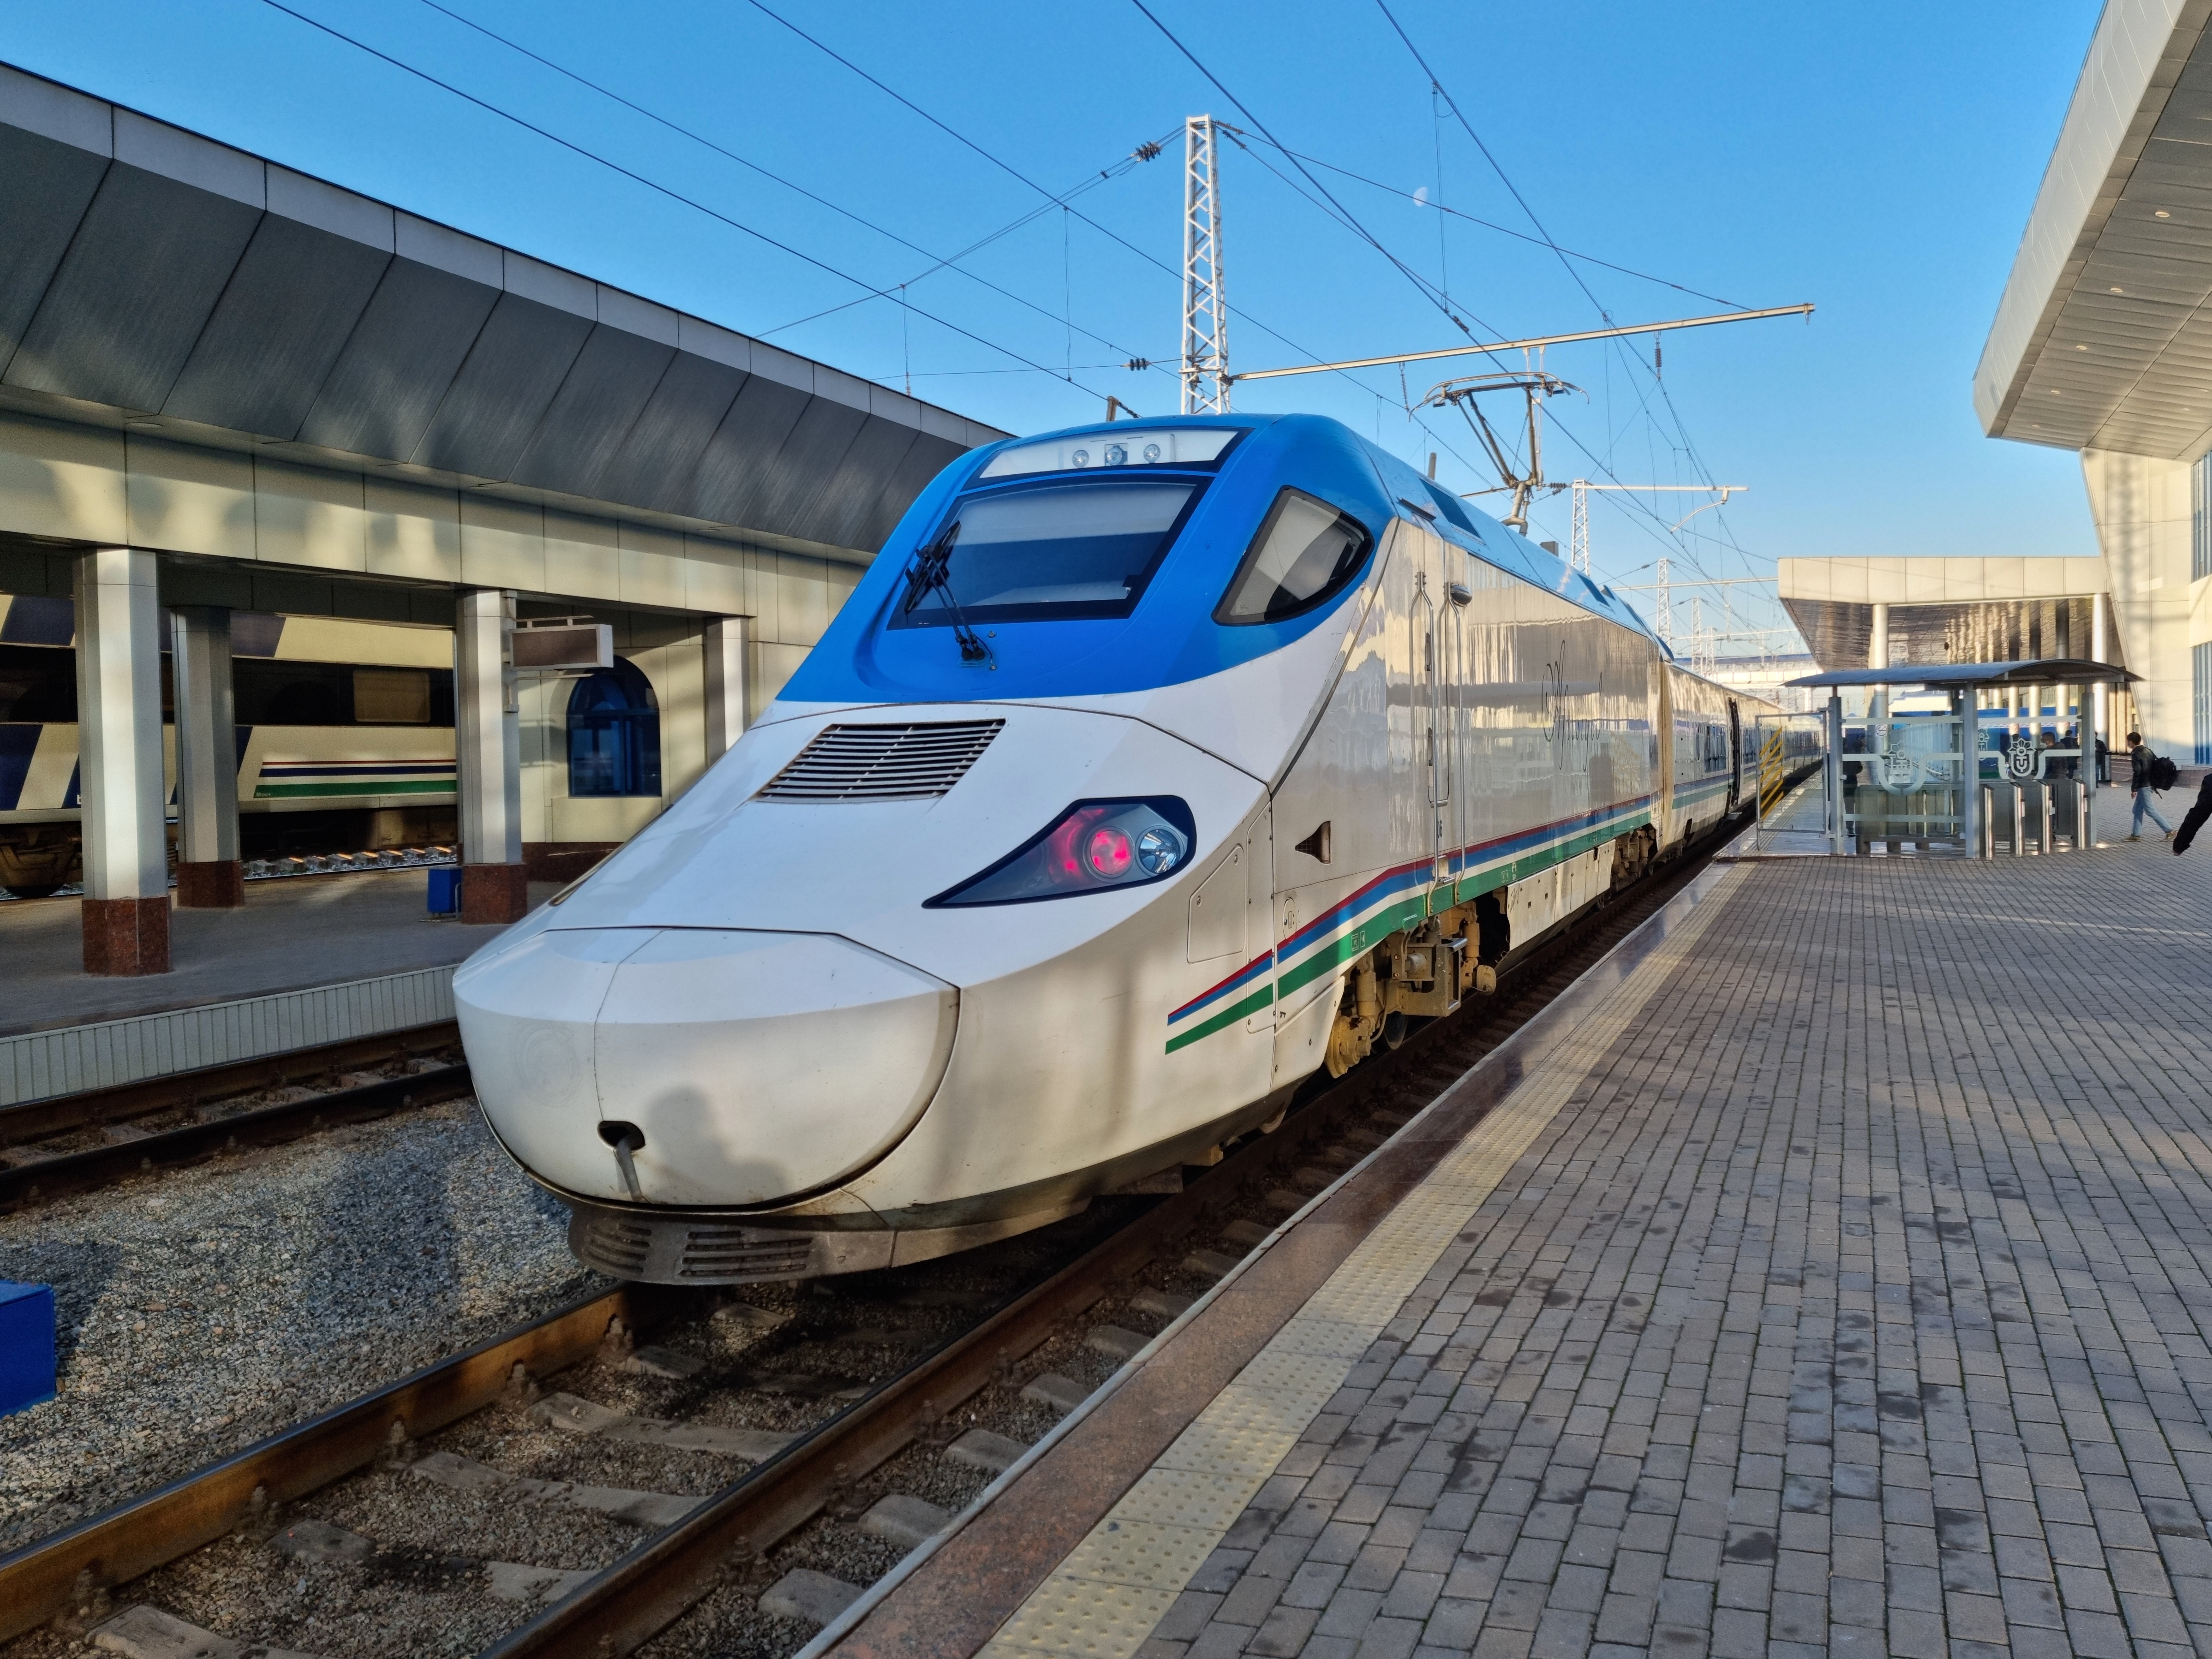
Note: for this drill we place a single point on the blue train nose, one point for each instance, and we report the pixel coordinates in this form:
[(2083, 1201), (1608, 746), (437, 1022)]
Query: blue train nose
[(753, 1066)]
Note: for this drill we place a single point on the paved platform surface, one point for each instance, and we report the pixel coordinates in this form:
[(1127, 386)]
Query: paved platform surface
[(1846, 1293), (300, 932)]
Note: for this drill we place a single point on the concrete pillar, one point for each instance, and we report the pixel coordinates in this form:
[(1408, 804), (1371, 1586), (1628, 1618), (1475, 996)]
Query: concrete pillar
[(487, 739), (119, 689), (209, 874), (728, 716)]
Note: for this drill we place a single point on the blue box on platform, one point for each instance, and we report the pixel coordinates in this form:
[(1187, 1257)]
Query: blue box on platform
[(445, 888), (27, 1345)]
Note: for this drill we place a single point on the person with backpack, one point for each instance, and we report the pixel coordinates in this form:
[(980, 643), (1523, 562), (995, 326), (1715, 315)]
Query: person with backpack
[(2147, 771)]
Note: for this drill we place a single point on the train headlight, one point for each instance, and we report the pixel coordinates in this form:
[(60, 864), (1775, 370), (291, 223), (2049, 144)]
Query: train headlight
[(1107, 853), (1092, 846)]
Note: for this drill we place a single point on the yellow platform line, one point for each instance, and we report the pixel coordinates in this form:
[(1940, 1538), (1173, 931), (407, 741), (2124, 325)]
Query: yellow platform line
[(1104, 1599)]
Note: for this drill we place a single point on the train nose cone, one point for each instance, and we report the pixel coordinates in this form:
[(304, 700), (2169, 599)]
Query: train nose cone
[(756, 1065)]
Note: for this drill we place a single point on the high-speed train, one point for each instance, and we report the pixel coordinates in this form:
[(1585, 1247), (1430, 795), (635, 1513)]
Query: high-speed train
[(1151, 770)]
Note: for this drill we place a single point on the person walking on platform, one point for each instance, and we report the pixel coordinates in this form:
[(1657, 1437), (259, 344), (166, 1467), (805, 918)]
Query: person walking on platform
[(2140, 760), (2193, 820)]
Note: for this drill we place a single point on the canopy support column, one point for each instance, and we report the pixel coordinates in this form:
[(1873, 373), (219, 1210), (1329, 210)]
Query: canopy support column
[(209, 876), (487, 739), (728, 713), (125, 811)]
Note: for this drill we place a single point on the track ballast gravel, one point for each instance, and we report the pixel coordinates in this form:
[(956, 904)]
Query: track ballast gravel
[(201, 1312)]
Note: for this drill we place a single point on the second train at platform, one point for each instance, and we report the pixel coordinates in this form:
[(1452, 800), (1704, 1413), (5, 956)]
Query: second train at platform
[(1154, 771)]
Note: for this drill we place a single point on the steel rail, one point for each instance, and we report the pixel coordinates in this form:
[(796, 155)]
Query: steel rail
[(42, 1578), (40, 1179), (31, 1119), (642, 1594), (670, 1573), (660, 1580)]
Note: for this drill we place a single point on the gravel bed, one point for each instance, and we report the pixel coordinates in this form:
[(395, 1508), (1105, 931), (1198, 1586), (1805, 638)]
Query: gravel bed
[(201, 1311)]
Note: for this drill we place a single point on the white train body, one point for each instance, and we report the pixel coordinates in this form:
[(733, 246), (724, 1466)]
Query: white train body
[(830, 1011)]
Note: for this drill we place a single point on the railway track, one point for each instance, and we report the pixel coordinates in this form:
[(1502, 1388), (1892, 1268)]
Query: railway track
[(728, 1486), (71, 1143)]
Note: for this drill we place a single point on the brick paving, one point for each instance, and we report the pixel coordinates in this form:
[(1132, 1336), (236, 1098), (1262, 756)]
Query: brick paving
[(1856, 1303)]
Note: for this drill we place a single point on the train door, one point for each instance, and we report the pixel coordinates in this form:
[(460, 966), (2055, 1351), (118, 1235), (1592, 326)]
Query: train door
[(1459, 830), (1432, 735), (1736, 754), (1260, 909)]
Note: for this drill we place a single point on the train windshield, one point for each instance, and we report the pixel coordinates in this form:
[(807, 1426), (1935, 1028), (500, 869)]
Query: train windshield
[(1059, 550)]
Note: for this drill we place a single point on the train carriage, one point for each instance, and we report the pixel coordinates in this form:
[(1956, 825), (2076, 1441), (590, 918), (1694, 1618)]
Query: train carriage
[(1152, 771), (345, 738)]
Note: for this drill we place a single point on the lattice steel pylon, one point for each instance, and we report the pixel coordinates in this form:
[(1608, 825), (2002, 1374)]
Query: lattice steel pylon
[(1204, 315)]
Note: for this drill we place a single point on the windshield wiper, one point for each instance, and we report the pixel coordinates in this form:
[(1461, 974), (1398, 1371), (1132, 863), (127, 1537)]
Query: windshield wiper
[(932, 569)]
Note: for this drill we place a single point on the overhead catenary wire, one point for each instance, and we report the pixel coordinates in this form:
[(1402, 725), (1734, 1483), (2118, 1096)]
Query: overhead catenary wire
[(941, 262), (1507, 230), (1336, 209), (999, 162), (1458, 114), (659, 188)]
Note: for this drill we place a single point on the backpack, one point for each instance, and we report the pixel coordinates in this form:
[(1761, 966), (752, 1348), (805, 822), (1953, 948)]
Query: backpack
[(2164, 773)]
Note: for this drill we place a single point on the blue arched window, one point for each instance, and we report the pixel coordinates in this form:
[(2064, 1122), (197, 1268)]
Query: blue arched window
[(614, 733)]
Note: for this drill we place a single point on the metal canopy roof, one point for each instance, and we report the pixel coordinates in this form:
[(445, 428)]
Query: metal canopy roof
[(2103, 339), (147, 272), (2047, 671)]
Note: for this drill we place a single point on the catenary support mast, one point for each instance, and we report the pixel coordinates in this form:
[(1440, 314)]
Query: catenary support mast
[(1204, 315)]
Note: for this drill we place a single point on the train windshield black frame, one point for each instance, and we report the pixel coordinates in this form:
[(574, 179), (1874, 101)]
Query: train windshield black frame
[(1068, 548), (1306, 553)]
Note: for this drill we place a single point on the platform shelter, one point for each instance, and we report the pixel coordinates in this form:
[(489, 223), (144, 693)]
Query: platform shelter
[(1944, 758)]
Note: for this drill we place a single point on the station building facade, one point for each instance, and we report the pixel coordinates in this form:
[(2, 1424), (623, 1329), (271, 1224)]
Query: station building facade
[(2102, 345), (232, 396)]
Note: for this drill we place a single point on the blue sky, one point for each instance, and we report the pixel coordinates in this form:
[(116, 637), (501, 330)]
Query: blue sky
[(1878, 160)]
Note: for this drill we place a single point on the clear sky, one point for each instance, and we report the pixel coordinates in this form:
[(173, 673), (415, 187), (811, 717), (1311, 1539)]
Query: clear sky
[(1878, 159)]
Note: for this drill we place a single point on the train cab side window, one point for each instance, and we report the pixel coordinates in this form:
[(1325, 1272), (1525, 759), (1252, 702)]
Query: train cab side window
[(1306, 553), (614, 733)]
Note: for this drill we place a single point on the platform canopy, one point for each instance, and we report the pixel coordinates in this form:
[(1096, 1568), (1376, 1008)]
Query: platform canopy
[(154, 279), (2103, 339), (2044, 671)]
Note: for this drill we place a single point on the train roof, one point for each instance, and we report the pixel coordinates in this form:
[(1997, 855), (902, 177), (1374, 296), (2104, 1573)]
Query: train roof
[(1169, 637)]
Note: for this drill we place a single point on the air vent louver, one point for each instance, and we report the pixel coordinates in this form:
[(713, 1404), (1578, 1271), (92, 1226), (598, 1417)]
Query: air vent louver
[(882, 762)]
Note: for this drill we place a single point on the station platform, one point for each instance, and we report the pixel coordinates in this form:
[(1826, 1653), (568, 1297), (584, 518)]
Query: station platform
[(1824, 1274), (307, 960)]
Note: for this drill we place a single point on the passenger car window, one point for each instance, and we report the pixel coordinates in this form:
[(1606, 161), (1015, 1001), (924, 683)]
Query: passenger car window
[(1305, 553)]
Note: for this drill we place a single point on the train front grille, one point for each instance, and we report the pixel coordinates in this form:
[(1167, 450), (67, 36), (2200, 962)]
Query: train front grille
[(679, 1250)]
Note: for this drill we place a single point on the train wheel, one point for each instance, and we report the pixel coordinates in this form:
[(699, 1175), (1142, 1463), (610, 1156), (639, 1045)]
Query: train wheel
[(1396, 1029)]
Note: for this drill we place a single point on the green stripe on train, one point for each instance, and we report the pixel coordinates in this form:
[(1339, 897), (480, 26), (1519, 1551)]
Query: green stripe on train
[(1372, 930), (1229, 1016), (1534, 863), (410, 787)]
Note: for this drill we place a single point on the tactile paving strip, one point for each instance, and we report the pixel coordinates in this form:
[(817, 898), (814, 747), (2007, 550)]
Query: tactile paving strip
[(1105, 1598)]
